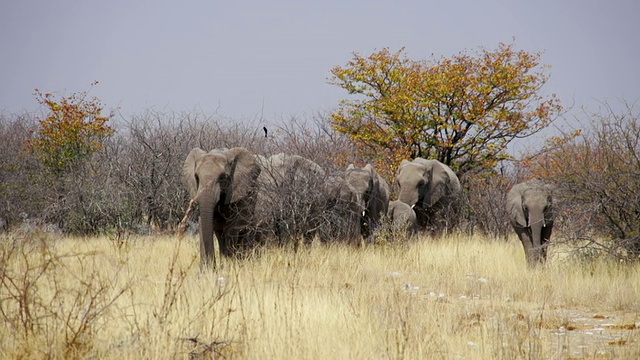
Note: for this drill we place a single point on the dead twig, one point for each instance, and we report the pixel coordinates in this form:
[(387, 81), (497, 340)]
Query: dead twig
[(183, 223)]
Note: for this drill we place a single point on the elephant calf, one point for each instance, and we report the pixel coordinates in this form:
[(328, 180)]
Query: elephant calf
[(530, 210), (402, 217)]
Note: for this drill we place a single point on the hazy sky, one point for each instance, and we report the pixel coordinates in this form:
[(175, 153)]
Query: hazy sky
[(273, 57)]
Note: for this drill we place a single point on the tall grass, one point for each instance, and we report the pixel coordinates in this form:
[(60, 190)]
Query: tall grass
[(455, 297)]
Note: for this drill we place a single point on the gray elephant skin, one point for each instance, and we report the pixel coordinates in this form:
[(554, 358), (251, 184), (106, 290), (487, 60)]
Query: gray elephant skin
[(432, 189), (530, 208), (223, 182), (402, 218), (340, 209), (290, 199), (370, 192)]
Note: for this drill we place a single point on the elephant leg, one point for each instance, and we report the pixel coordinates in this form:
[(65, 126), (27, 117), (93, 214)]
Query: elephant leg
[(545, 236), (223, 242), (527, 242), (422, 218)]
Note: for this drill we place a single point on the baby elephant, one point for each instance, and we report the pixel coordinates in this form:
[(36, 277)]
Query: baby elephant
[(530, 210), (403, 218)]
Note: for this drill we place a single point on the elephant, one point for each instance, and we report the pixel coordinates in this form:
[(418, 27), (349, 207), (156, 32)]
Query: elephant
[(340, 209), (290, 198), (530, 208), (402, 218), (371, 194), (223, 182), (432, 189)]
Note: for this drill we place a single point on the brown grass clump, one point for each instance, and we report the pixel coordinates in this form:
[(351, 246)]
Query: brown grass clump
[(459, 296)]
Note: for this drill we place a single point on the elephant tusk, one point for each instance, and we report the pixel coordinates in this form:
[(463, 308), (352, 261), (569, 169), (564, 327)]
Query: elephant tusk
[(412, 206), (363, 213)]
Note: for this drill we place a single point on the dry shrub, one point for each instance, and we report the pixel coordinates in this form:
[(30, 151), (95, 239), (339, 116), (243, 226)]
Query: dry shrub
[(313, 138), (134, 182), (48, 308), (24, 192), (483, 204)]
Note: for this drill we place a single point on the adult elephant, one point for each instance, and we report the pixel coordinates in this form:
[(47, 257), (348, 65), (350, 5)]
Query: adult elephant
[(432, 189), (290, 197), (402, 218), (530, 208), (223, 182), (371, 196)]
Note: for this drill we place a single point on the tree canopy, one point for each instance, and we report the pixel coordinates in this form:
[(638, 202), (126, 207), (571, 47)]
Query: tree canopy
[(462, 110), (73, 129)]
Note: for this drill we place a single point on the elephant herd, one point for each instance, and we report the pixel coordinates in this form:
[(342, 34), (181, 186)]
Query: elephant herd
[(245, 198)]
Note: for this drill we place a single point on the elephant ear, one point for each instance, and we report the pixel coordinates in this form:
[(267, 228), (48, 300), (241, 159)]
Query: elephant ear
[(189, 171), (381, 188), (385, 189), (403, 163), (432, 182), (243, 173), (375, 181), (514, 206), (373, 173)]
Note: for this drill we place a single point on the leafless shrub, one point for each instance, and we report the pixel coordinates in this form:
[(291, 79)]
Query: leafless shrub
[(24, 189), (482, 204), (150, 162), (314, 139), (290, 198)]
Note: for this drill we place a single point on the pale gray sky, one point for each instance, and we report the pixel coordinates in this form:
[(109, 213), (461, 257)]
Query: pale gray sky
[(245, 57)]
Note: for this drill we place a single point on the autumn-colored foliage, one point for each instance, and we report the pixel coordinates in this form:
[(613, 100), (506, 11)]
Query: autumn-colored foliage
[(463, 111), (559, 154), (73, 129)]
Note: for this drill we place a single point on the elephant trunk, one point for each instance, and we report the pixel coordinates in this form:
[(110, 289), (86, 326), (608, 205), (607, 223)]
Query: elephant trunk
[(536, 223), (208, 201)]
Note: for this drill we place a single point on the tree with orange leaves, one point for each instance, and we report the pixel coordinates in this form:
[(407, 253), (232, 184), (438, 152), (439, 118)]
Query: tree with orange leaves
[(73, 129), (463, 111)]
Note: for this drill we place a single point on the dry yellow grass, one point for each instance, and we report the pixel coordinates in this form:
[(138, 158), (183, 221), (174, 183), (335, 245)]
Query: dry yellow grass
[(457, 297)]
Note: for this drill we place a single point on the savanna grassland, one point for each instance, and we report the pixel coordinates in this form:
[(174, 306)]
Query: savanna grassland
[(456, 297)]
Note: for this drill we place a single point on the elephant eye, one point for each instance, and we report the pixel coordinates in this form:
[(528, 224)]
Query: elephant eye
[(197, 180)]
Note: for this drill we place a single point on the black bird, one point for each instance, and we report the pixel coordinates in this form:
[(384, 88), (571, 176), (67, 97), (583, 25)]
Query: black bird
[(265, 131)]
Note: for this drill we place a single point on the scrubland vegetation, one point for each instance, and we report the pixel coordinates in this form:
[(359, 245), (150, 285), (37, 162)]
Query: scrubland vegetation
[(91, 266), (459, 296)]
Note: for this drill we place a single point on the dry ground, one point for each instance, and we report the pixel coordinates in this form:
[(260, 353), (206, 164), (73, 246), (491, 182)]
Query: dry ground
[(458, 297)]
